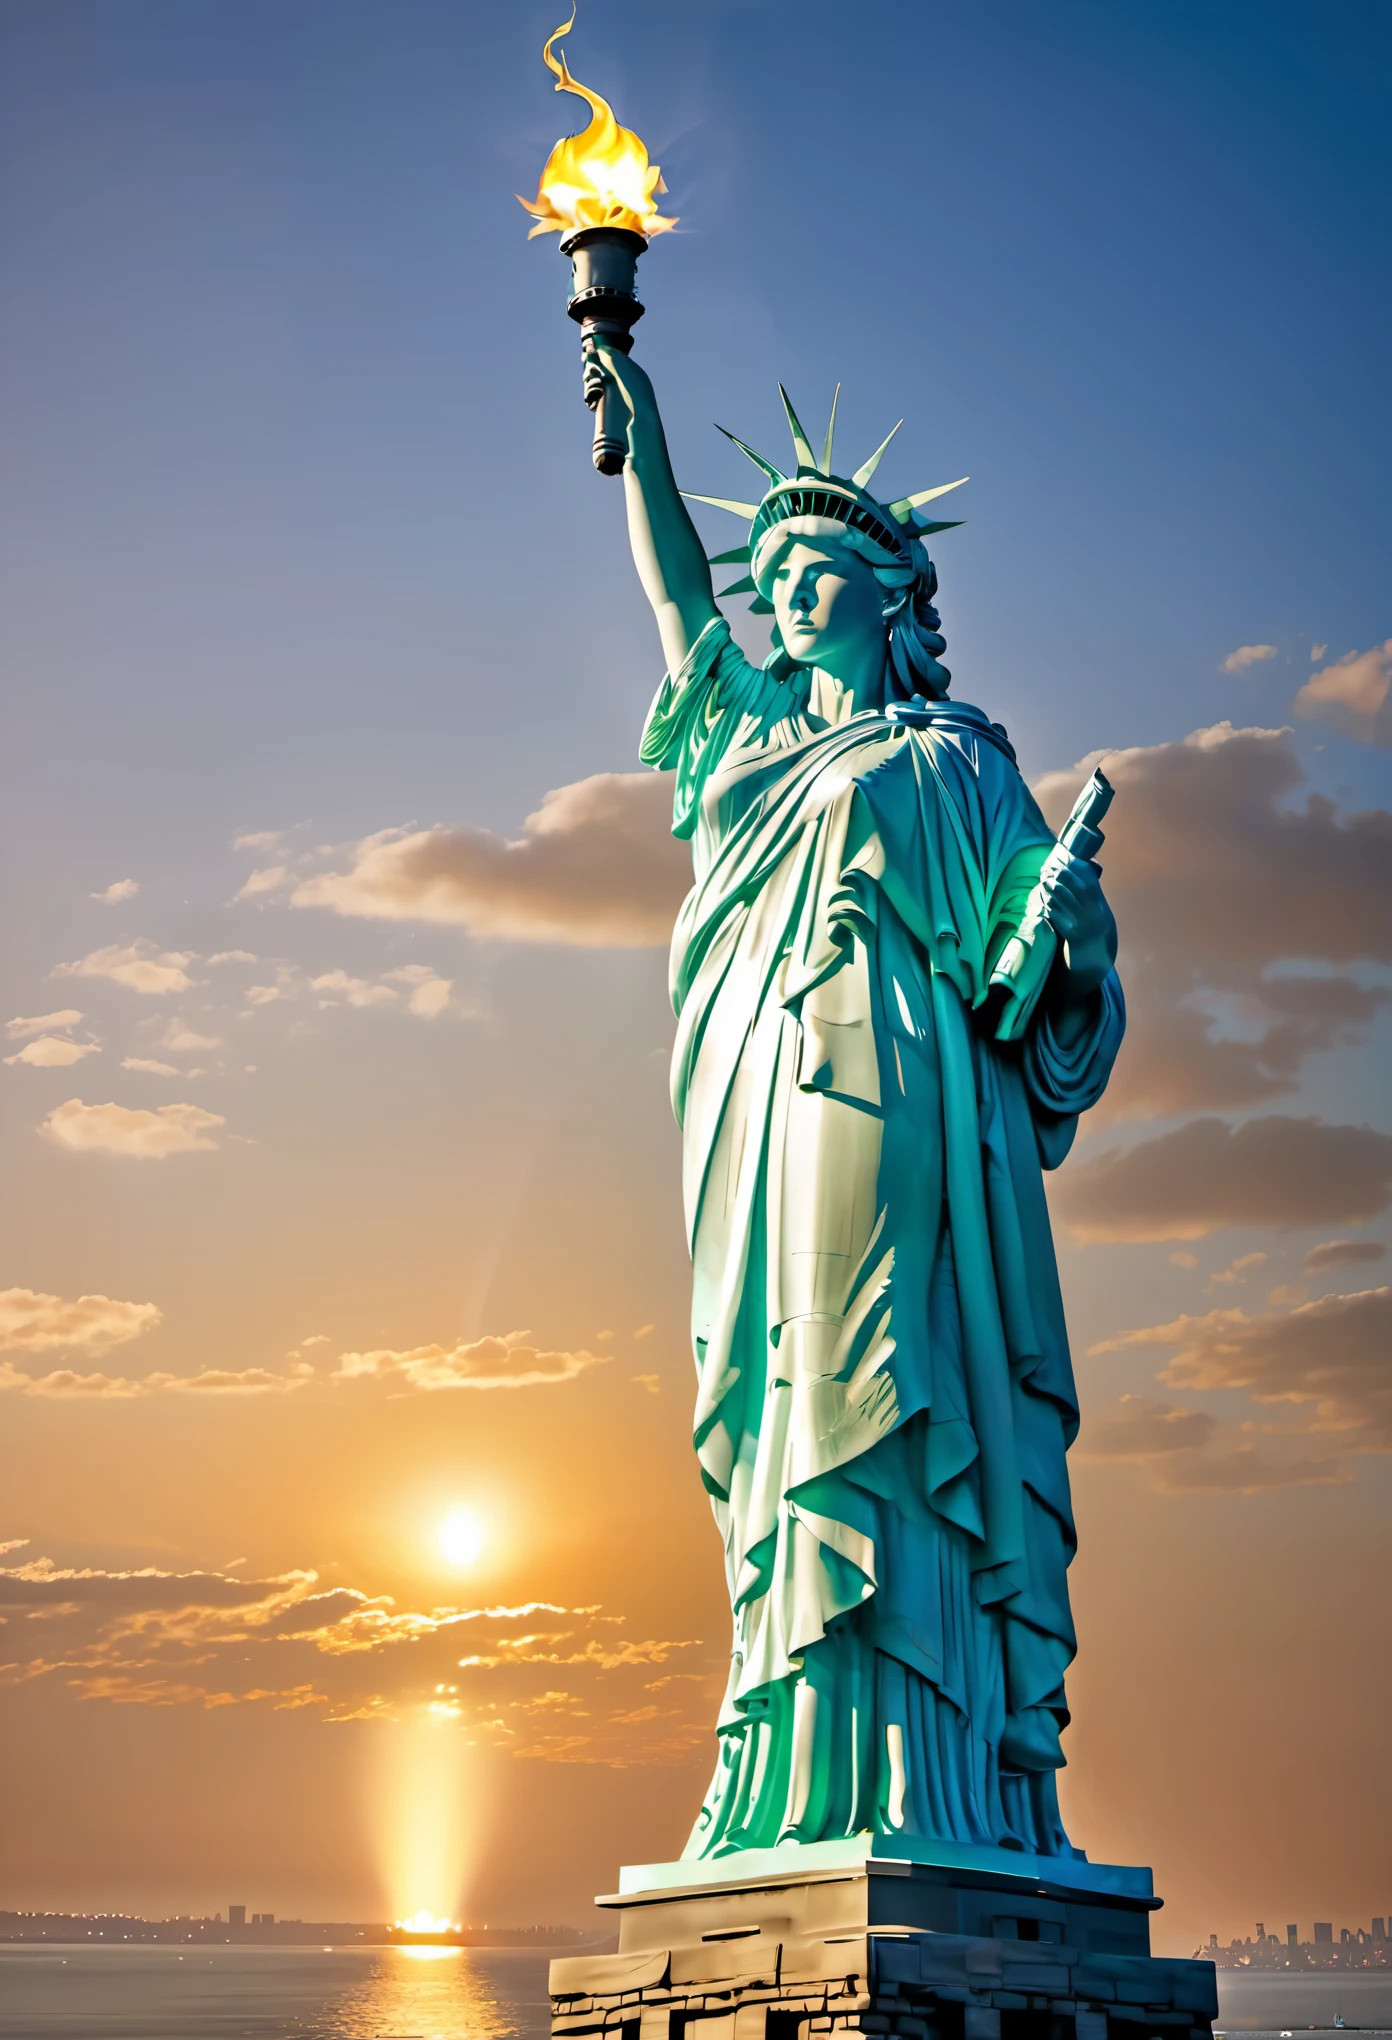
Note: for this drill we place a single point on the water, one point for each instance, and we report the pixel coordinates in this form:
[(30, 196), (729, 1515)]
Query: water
[(1267, 2002), (164, 1993)]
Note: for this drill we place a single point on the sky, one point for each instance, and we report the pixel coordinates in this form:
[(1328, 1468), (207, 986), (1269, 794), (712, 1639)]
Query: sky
[(341, 1189)]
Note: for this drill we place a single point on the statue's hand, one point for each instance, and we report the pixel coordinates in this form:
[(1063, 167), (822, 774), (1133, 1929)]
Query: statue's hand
[(610, 372), (1079, 915)]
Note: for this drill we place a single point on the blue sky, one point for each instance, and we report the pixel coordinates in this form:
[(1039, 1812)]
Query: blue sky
[(302, 541)]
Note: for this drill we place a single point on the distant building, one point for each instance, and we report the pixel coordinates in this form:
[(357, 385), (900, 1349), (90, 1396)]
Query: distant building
[(1355, 1948), (236, 1915)]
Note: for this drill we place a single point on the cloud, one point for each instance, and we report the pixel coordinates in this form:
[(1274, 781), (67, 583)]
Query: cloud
[(258, 839), (163, 1638), (31, 1321), (485, 1363), (430, 994), (596, 866), (140, 966), (179, 1038), (357, 1624), (53, 1052), (357, 991), (1340, 1254), (1237, 1271), (1352, 695), (1172, 1446), (121, 1690), (1139, 1428), (17, 1029), (226, 1381), (1329, 1357), (272, 879), (123, 889), (148, 1067), (1242, 912), (1245, 656), (1206, 1175), (65, 1385), (234, 956), (121, 1130), (1245, 1471)]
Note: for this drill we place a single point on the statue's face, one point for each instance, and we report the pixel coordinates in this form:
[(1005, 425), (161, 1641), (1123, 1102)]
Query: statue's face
[(828, 604)]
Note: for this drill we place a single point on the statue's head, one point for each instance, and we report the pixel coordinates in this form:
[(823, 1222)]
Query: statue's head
[(830, 562)]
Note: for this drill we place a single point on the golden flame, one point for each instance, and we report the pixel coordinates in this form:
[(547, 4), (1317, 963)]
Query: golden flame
[(600, 178)]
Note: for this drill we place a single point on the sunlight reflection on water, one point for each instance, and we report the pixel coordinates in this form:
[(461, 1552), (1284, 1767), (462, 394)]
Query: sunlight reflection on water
[(162, 1993), (426, 1994)]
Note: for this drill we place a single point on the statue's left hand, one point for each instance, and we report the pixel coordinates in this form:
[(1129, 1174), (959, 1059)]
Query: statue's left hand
[(1078, 913)]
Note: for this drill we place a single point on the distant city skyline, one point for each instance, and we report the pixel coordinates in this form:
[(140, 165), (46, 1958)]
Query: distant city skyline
[(1327, 1948), (194, 1929)]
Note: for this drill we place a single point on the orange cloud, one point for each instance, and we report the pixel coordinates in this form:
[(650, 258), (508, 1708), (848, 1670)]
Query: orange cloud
[(481, 1363), (53, 1052), (1227, 892), (139, 966), (152, 1637), (1330, 1354), (1352, 695), (33, 1322), (19, 1027), (596, 866), (142, 1135), (1206, 1175)]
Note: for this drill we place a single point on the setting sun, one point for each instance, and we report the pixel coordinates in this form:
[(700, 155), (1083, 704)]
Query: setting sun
[(461, 1537)]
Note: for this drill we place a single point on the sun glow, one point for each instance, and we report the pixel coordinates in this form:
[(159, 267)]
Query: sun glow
[(430, 1816), (461, 1537), (598, 178), (422, 1923)]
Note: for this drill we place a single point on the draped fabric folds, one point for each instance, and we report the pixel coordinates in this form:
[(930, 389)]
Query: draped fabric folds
[(885, 1396)]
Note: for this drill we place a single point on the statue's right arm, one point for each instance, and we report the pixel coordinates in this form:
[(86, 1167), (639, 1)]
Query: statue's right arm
[(670, 558)]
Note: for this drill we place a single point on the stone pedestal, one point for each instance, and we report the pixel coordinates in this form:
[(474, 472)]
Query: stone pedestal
[(883, 1936)]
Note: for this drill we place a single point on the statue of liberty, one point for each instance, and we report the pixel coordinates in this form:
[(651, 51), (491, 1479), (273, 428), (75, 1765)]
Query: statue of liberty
[(885, 1394)]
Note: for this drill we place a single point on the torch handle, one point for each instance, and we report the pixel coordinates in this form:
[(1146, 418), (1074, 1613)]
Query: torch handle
[(610, 449)]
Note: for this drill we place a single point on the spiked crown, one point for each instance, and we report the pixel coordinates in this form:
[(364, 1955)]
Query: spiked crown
[(813, 496)]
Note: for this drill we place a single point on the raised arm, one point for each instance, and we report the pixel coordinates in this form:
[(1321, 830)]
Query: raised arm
[(670, 558)]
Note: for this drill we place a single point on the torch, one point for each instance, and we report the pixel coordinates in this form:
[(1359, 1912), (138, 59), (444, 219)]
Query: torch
[(597, 191)]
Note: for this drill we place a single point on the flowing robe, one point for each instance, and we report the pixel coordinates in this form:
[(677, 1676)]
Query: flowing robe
[(885, 1394)]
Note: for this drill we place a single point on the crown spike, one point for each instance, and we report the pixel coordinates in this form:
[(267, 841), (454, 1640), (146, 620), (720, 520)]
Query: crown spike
[(749, 510), (802, 446), (773, 473), (906, 503), (830, 432), (866, 470), (738, 556), (744, 586)]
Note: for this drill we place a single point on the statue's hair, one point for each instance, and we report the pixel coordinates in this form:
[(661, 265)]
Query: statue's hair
[(815, 504)]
